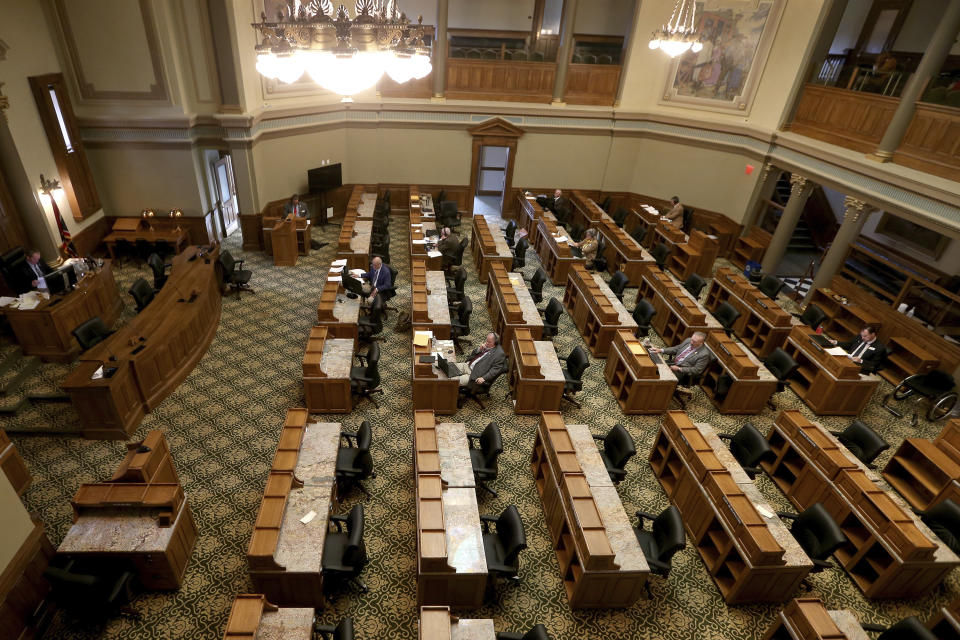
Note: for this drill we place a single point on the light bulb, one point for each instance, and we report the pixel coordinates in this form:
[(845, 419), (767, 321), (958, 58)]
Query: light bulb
[(654, 44)]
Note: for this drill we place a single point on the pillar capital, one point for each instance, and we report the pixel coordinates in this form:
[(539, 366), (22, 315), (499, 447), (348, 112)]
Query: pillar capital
[(767, 168), (854, 208), (798, 183)]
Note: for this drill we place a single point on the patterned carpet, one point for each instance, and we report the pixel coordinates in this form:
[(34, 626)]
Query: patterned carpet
[(222, 425)]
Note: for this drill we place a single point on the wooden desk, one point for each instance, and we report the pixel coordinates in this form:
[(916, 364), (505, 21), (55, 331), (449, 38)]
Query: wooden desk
[(751, 556), (596, 311), (336, 311), (843, 321), (945, 623), (556, 257), (530, 213), (430, 310), (646, 215), (326, 372), (808, 619), (763, 325), (830, 385), (436, 623), (585, 211), (422, 221), (750, 383), (510, 305), (622, 252), (178, 238), (432, 389), (152, 353), (536, 377), (253, 618), (696, 255), (669, 234), (13, 465), (889, 552), (750, 247), (285, 556), (927, 472), (488, 246), (638, 384), (600, 559), (679, 314), (451, 563), (44, 331), (353, 244), (153, 465)]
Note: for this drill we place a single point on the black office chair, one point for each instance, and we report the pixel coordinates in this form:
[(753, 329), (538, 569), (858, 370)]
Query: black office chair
[(163, 248), (510, 232), (536, 285), (576, 232), (620, 217), (937, 386), (551, 318), (618, 283), (460, 327), (944, 520), (660, 254), (562, 214), (354, 463), (390, 292), (661, 543), (907, 629), (142, 293), (638, 233), (750, 448), (91, 332), (520, 254), (159, 269), (370, 325), (577, 363), (122, 248), (484, 459), (643, 315), (92, 591), (606, 204), (502, 546), (813, 316), (365, 379), (694, 284), (782, 366), (455, 293), (343, 630), (448, 215), (234, 275), (536, 632), (817, 532), (344, 554), (727, 315), (441, 196), (600, 262), (618, 448), (862, 441), (770, 286), (142, 248), (687, 216)]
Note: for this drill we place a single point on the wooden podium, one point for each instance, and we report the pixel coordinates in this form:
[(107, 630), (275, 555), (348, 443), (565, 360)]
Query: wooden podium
[(284, 240)]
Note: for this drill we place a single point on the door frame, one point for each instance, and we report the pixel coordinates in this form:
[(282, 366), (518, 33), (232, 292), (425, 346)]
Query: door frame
[(225, 160), (495, 132), (481, 192)]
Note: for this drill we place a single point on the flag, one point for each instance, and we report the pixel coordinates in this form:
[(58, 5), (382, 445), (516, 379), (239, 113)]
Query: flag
[(67, 245)]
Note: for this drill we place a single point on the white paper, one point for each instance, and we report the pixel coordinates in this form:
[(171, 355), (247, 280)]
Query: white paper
[(5, 301), (336, 269), (339, 263), (335, 279), (420, 241), (836, 351), (356, 272), (98, 373), (307, 518), (766, 513), (434, 254), (28, 303), (416, 225), (560, 239)]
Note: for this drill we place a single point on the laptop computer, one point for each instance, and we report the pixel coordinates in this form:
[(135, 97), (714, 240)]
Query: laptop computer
[(576, 252), (821, 340), (451, 369)]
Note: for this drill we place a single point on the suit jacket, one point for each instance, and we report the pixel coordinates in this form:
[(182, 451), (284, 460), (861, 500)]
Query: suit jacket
[(695, 362), (27, 274), (383, 280), (301, 211), (871, 358), (489, 366), (449, 245), (560, 203)]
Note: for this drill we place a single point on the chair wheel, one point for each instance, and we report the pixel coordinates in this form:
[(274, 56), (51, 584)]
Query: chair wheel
[(902, 392), (942, 406)]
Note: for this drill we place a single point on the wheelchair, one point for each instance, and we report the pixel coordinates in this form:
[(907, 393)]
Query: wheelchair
[(937, 386)]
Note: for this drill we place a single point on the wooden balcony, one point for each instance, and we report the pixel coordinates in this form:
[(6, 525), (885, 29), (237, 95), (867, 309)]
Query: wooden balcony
[(932, 141)]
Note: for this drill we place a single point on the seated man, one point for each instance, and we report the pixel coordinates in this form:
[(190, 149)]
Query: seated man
[(294, 206), (379, 277), (485, 363), (588, 246), (690, 357), (675, 215), (34, 270), (558, 201), (449, 245), (865, 350)]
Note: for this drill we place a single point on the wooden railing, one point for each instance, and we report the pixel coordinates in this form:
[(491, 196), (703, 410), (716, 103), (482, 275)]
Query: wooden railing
[(505, 80), (931, 142), (851, 119)]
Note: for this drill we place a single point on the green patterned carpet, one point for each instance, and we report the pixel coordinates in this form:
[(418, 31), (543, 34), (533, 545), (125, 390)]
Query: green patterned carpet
[(223, 422)]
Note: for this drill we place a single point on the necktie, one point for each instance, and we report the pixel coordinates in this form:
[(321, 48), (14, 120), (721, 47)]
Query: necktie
[(858, 352), (376, 277), (683, 354), (477, 357), (36, 270)]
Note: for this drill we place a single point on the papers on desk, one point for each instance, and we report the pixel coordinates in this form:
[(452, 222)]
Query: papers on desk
[(836, 351), (515, 280), (356, 273), (97, 374), (336, 269), (560, 239), (649, 209), (637, 349), (307, 518), (342, 262), (335, 279), (422, 338), (766, 513), (6, 301), (30, 300), (433, 253), (416, 225), (420, 241)]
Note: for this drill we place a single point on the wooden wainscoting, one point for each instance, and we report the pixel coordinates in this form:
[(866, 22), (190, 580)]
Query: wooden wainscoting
[(471, 79), (88, 240), (422, 88), (22, 586), (851, 119), (594, 84), (932, 141)]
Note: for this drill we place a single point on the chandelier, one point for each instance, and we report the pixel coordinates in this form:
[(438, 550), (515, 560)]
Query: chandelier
[(678, 35), (342, 55)]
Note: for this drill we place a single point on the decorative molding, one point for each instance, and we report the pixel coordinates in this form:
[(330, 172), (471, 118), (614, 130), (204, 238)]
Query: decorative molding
[(799, 184), (158, 90), (853, 208)]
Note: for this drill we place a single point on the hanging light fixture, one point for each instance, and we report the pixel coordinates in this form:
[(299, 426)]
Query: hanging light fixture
[(678, 35), (342, 55)]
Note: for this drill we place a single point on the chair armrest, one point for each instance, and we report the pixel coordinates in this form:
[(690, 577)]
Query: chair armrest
[(485, 521), (238, 264), (361, 379), (753, 471), (349, 436), (362, 357), (787, 515), (338, 520), (653, 563), (725, 436), (596, 437), (472, 437), (325, 630), (868, 626), (823, 564), (505, 635), (835, 433), (641, 515)]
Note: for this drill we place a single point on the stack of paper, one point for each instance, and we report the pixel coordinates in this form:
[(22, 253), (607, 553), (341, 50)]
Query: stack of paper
[(836, 351), (422, 338), (336, 269), (434, 253), (342, 262), (420, 241)]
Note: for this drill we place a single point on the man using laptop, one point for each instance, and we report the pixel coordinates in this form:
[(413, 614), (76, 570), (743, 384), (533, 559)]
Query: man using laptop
[(690, 357), (485, 363), (865, 349), (379, 277)]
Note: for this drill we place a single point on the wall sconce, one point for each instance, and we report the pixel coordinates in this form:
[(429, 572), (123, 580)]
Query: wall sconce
[(50, 188), (176, 214), (147, 214)]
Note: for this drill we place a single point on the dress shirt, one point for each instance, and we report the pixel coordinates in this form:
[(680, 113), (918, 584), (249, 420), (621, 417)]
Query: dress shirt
[(683, 354)]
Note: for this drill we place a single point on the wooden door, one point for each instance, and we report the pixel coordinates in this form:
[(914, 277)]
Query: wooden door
[(226, 195)]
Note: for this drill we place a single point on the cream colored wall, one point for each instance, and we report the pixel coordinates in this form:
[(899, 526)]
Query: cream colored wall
[(16, 522), (949, 261), (514, 15), (132, 178), (572, 161), (919, 26), (851, 24), (604, 17), (282, 163)]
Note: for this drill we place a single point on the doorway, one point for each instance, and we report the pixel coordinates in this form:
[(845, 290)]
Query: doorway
[(226, 195), (491, 180)]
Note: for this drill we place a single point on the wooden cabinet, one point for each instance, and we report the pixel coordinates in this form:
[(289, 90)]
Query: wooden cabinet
[(638, 383), (596, 311), (696, 255), (927, 472), (750, 247), (844, 320)]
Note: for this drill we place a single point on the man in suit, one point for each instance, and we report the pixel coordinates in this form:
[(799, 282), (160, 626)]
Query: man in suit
[(449, 243), (297, 208), (675, 215), (865, 349), (485, 363), (379, 277), (34, 269), (558, 202), (690, 357)]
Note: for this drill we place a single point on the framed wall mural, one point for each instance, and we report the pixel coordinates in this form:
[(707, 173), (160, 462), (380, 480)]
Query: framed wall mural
[(724, 75)]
